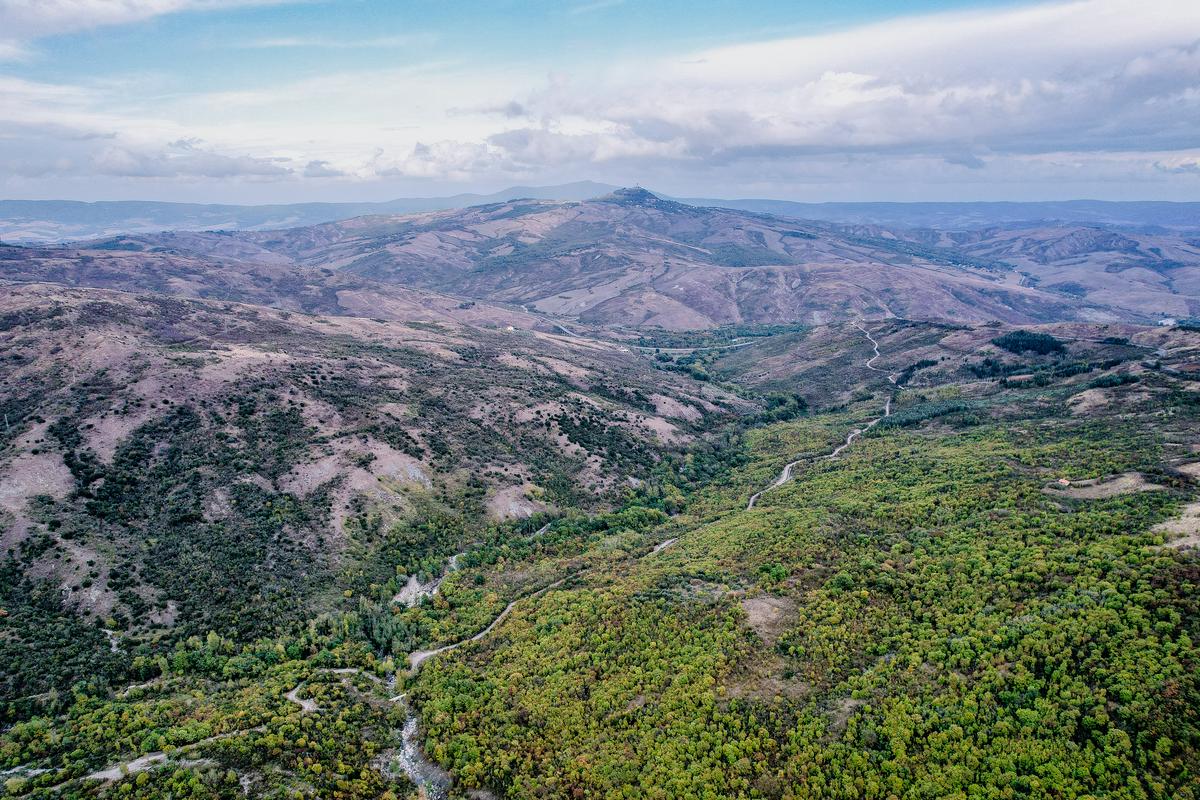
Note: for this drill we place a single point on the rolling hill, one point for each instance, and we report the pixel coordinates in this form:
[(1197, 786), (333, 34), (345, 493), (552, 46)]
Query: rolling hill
[(634, 260)]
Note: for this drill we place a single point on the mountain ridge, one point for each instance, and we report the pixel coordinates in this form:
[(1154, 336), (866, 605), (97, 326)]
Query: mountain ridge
[(633, 259), (64, 220)]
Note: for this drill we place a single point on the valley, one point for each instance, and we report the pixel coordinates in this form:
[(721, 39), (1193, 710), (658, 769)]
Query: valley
[(602, 498)]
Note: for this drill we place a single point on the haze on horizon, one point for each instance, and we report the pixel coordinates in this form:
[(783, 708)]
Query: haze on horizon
[(257, 101)]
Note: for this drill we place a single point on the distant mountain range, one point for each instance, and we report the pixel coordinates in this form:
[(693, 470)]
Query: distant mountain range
[(1149, 215), (66, 220), (635, 260)]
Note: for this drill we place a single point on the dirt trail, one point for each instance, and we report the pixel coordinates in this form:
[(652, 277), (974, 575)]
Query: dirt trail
[(786, 474), (875, 345), (145, 762), (306, 706), (419, 657)]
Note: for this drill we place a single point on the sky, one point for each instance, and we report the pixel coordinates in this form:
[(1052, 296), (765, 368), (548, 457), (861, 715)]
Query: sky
[(255, 101)]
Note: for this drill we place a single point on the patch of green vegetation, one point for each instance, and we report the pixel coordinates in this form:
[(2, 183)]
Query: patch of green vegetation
[(1028, 341), (915, 415), (1108, 381), (734, 255), (220, 713), (45, 647), (952, 631), (714, 337)]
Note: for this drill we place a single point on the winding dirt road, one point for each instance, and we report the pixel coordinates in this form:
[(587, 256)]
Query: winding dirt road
[(875, 345), (786, 474), (419, 657), (149, 760)]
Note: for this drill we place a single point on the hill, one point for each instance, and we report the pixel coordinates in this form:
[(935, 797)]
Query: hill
[(177, 466), (47, 221), (1160, 215), (635, 260), (230, 526)]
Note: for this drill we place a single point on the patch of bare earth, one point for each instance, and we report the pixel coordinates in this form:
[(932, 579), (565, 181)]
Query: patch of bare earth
[(1097, 489), (659, 428), (765, 675), (840, 714), (108, 430), (565, 369), (514, 502), (1088, 401), (27, 476), (1182, 531), (670, 407), (366, 466), (769, 616), (1192, 470)]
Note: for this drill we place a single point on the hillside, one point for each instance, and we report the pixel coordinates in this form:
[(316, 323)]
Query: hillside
[(634, 260), (171, 467), (48, 221), (992, 573), (231, 526), (1157, 215)]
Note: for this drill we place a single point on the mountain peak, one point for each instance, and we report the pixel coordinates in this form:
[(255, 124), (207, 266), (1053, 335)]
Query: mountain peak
[(633, 195)]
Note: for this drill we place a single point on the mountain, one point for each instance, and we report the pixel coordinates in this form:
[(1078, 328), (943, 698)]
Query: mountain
[(166, 441), (63, 220), (635, 260), (970, 215), (1146, 274)]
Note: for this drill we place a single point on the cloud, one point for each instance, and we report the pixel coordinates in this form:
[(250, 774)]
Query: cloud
[(512, 110), (182, 161), (1063, 93), (966, 160), (596, 5), (1127, 78), (1179, 166), (13, 51), (30, 19), (23, 21), (422, 39), (445, 159), (321, 169)]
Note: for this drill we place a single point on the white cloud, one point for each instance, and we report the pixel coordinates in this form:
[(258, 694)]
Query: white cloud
[(182, 160), (22, 21), (322, 169), (421, 39), (1098, 74), (31, 19), (595, 5), (1078, 93)]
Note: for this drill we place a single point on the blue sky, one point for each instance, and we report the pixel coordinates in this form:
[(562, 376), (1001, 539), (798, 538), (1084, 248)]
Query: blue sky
[(259, 101), (242, 46)]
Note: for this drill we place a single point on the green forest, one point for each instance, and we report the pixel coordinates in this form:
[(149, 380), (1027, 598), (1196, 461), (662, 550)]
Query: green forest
[(974, 600)]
